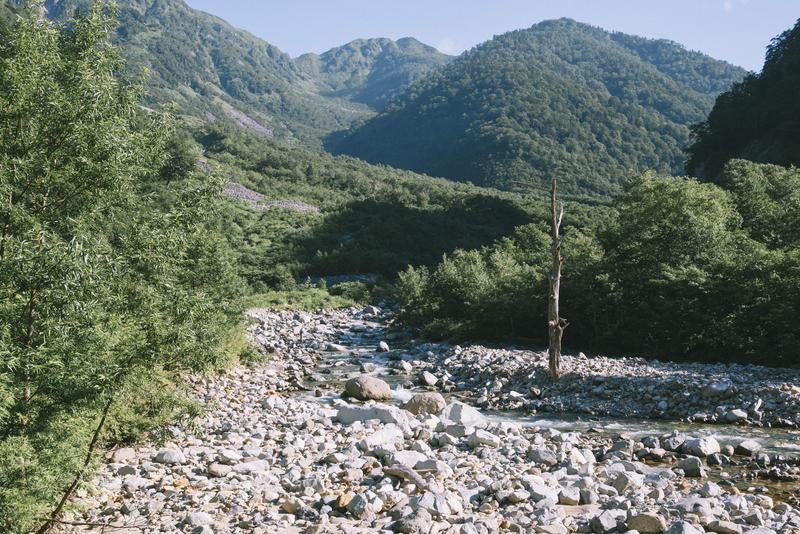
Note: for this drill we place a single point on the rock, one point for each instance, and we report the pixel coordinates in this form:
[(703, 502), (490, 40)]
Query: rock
[(360, 507), (429, 402), (735, 416), (662, 405), (199, 519), (434, 466), (249, 468), (407, 458), (648, 523), (218, 470), (748, 447), (389, 434), (693, 467), (418, 522), (123, 456), (673, 441), (542, 456), (518, 496), (716, 389), (170, 457), (684, 527), (367, 367), (701, 447), (570, 496), (350, 413), (482, 437), (383, 347), (603, 522), (626, 480), (333, 347), (227, 456), (427, 379), (458, 413), (724, 527), (366, 387)]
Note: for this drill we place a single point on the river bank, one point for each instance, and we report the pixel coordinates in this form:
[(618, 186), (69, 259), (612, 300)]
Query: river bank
[(280, 451)]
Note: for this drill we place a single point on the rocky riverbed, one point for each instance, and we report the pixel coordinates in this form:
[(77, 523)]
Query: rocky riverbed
[(281, 450)]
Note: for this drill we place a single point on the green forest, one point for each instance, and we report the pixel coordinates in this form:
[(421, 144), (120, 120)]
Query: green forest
[(125, 265), (558, 99)]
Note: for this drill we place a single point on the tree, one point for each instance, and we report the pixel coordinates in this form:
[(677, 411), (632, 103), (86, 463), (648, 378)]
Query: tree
[(555, 322), (107, 279)]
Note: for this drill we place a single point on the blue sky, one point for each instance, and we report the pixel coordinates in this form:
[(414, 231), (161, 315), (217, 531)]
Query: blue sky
[(733, 30)]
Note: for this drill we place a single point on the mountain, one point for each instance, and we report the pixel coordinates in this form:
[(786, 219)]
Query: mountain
[(216, 72), (558, 99), (758, 119), (371, 71)]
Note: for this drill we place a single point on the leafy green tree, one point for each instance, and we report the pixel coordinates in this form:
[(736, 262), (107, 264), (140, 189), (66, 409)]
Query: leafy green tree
[(103, 280)]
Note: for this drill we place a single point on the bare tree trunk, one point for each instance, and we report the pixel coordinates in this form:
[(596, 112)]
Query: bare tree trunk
[(79, 475), (555, 322)]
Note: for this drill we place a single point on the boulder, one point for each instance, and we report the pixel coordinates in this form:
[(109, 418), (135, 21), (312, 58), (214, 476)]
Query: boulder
[(748, 447), (350, 413), (383, 347), (367, 388), (426, 403), (427, 379), (735, 416), (458, 413), (170, 457), (693, 467), (482, 438), (701, 447), (684, 527), (648, 523)]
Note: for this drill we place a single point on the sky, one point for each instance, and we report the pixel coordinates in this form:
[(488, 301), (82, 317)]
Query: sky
[(734, 30)]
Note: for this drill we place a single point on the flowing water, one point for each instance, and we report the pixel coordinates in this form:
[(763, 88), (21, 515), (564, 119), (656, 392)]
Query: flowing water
[(361, 342)]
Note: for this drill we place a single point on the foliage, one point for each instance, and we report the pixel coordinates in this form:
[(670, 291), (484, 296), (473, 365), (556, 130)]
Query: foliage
[(372, 71), (758, 119), (679, 270), (108, 275), (372, 219), (559, 99)]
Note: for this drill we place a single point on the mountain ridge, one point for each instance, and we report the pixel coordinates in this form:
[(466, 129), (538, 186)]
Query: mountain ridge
[(561, 97)]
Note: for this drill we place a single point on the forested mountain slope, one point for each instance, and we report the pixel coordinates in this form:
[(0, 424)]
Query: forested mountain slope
[(758, 119), (558, 99), (216, 72), (371, 71)]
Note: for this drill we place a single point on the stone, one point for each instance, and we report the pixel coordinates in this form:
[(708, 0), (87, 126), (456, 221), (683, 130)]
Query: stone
[(570, 496), (418, 522), (407, 458), (747, 447), (458, 413), (427, 379), (436, 467), (360, 507), (735, 416), (724, 527), (170, 457), (219, 470), (673, 441), (626, 480), (482, 437), (249, 468), (648, 523), (603, 522), (123, 456), (683, 527), (199, 519), (542, 456), (383, 347), (388, 435), (518, 496), (350, 413), (429, 402), (693, 467), (366, 387), (701, 447)]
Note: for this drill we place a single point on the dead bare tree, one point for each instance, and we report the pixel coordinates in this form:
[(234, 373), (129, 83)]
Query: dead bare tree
[(556, 323)]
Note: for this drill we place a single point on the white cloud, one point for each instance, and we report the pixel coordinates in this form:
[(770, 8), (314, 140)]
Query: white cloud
[(447, 46)]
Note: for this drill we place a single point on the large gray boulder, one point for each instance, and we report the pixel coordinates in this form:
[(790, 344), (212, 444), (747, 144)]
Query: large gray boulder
[(458, 413), (701, 447), (367, 388), (350, 413)]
